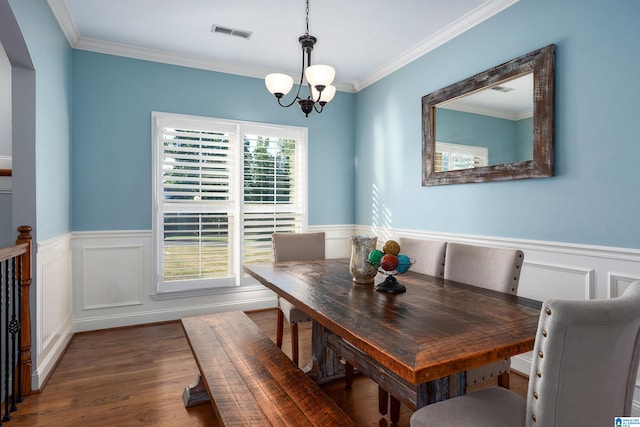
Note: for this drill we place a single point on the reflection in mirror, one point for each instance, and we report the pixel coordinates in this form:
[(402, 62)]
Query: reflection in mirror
[(488, 127), (495, 125)]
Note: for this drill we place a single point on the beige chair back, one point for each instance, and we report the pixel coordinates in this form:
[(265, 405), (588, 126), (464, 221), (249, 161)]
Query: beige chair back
[(428, 255), (490, 268), (585, 361), (298, 246), (583, 372)]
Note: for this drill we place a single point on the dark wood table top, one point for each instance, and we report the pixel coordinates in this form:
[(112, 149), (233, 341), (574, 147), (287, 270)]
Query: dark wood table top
[(435, 329)]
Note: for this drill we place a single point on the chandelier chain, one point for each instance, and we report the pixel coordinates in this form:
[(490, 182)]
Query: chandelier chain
[(307, 21)]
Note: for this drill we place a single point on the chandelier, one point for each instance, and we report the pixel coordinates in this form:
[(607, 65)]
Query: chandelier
[(319, 79)]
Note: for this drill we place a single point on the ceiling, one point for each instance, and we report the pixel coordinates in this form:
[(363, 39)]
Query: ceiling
[(511, 100), (363, 40)]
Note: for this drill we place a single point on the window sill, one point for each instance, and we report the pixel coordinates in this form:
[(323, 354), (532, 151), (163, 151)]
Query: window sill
[(161, 296)]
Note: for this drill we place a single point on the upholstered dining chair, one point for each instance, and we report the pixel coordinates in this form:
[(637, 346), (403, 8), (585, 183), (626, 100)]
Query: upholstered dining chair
[(583, 372), (490, 268), (295, 247), (429, 257)]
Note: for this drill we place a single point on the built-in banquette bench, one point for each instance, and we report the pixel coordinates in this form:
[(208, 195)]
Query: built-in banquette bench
[(250, 381)]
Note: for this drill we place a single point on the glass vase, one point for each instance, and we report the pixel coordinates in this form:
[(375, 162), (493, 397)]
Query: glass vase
[(359, 266)]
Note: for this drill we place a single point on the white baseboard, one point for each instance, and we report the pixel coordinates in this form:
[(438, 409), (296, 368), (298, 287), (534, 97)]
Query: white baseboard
[(44, 368), (522, 363), (92, 323)]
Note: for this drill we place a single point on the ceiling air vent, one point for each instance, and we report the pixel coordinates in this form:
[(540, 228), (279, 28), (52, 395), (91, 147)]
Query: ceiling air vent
[(231, 31), (502, 88)]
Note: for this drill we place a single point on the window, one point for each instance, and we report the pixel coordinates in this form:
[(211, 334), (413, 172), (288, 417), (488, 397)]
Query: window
[(450, 157), (221, 188)]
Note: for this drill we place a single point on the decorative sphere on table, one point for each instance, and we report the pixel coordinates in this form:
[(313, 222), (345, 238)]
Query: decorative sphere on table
[(391, 247), (389, 262), (374, 257), (404, 263)]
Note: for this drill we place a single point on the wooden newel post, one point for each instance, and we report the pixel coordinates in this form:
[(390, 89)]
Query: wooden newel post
[(25, 310)]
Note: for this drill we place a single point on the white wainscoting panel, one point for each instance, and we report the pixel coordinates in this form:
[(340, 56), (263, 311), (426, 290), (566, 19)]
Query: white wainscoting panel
[(618, 283), (113, 285), (53, 314), (337, 239), (559, 281), (113, 276)]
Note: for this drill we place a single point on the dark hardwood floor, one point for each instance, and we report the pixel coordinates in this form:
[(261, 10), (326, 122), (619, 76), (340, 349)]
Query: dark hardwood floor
[(135, 376)]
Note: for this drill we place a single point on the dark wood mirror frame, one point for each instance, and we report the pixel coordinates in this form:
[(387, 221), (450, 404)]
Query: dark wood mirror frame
[(542, 63)]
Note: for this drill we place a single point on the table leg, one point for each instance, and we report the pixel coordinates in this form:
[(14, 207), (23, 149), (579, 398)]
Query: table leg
[(441, 389), (414, 396), (195, 393), (383, 401), (324, 365)]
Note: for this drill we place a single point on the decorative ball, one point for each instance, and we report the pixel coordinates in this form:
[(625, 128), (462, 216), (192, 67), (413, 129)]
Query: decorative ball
[(389, 262), (404, 262), (374, 257), (391, 247)]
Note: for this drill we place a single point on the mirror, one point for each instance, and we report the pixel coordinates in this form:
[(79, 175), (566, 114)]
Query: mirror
[(496, 125)]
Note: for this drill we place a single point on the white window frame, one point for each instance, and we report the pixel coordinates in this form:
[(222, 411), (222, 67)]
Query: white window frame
[(235, 207), (480, 155)]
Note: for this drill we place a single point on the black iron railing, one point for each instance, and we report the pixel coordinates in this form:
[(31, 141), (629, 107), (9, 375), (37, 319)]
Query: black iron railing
[(15, 324)]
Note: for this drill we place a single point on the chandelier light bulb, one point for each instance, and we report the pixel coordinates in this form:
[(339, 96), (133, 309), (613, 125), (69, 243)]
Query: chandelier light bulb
[(278, 84), (320, 75), (327, 94)]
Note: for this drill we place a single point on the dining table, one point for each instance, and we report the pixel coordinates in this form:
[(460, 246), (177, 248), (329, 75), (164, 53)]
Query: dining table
[(417, 344)]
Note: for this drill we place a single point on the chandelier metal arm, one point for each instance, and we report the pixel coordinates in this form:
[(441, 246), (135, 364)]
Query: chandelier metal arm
[(297, 97)]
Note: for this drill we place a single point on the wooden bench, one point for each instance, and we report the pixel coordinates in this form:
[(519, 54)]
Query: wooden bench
[(249, 380)]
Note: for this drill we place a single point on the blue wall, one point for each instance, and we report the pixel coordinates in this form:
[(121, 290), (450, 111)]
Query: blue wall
[(113, 98), (506, 140), (593, 197), (524, 136), (51, 56), (597, 64)]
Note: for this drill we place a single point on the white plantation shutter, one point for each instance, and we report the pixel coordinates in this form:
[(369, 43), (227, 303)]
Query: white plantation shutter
[(273, 200), (219, 197), (450, 157)]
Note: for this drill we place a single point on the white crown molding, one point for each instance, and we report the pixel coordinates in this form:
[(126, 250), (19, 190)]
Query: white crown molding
[(465, 23), (491, 112), (180, 60), (191, 61), (473, 18), (62, 15)]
